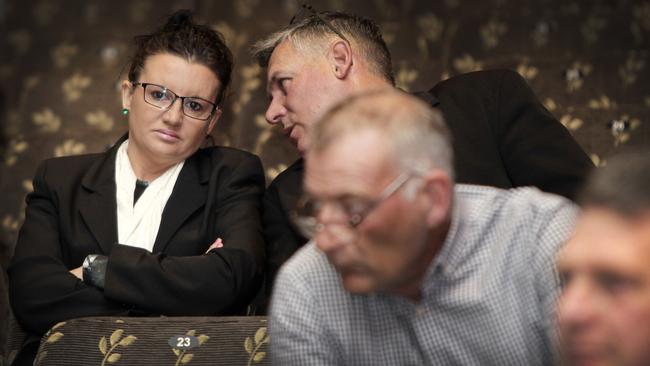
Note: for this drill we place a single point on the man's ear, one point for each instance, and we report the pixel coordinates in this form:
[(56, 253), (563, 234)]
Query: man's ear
[(127, 93), (438, 188), (341, 58), (213, 120)]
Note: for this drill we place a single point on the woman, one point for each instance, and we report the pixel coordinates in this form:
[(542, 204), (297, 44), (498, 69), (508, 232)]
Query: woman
[(186, 219)]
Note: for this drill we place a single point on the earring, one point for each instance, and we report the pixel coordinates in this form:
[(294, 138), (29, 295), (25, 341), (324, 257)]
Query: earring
[(125, 111)]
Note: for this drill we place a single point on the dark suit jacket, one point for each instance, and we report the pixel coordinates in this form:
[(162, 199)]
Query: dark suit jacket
[(502, 136), (72, 213)]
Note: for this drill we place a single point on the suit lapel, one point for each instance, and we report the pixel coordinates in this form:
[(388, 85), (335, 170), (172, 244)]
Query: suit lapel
[(189, 194), (291, 190), (97, 203)]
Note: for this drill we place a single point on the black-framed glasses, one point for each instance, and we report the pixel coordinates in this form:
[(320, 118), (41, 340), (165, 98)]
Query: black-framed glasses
[(306, 11), (161, 97), (305, 216)]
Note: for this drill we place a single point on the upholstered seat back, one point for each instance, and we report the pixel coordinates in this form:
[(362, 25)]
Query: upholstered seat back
[(156, 341)]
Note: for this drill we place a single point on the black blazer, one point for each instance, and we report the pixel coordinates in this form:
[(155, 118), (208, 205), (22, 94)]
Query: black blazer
[(502, 137), (72, 213)]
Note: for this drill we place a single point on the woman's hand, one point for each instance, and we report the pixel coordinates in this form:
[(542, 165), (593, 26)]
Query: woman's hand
[(217, 244), (77, 272)]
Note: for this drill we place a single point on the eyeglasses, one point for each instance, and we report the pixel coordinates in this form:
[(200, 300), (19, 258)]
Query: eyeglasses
[(307, 11), (163, 98), (305, 216)]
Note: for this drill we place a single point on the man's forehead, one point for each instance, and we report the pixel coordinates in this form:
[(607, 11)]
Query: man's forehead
[(601, 221), (604, 238), (360, 159), (283, 55)]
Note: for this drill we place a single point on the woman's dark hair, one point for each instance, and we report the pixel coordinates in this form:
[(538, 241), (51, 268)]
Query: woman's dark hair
[(194, 42)]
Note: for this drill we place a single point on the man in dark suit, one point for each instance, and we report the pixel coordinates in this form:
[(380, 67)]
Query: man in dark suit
[(503, 136)]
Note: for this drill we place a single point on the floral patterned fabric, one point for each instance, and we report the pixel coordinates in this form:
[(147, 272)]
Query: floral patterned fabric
[(155, 341), (61, 63)]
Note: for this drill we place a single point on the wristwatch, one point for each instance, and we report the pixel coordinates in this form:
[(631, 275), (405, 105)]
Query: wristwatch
[(85, 267), (93, 270)]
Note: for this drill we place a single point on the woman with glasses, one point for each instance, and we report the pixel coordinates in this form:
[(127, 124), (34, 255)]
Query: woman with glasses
[(156, 225)]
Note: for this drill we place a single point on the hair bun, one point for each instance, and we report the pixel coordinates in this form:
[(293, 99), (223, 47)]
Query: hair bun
[(178, 20)]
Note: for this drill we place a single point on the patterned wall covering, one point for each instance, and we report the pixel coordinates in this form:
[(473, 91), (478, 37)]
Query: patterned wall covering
[(60, 63)]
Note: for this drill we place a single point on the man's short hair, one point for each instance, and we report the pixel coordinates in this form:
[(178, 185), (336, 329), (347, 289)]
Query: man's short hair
[(311, 32), (417, 132), (623, 186)]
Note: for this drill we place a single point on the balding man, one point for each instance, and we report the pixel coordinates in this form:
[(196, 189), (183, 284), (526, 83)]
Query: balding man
[(405, 267)]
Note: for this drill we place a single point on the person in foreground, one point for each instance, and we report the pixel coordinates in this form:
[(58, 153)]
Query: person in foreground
[(604, 309), (155, 225), (405, 267), (502, 135)]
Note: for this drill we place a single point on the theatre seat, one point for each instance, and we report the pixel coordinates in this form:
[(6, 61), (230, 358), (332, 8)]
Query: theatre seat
[(15, 337), (156, 341)]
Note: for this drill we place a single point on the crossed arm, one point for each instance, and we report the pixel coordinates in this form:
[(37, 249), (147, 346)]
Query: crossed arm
[(45, 279)]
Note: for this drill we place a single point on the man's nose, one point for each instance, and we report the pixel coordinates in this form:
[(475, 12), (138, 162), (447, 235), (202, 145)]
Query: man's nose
[(327, 240), (275, 112), (335, 231), (576, 305)]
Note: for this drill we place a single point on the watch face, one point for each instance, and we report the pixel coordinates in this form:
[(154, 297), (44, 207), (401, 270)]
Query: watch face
[(87, 261)]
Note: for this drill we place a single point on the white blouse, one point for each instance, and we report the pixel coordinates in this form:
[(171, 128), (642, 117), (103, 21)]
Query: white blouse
[(138, 224)]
